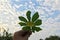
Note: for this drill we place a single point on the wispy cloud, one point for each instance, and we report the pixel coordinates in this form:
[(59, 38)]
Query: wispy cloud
[(47, 11)]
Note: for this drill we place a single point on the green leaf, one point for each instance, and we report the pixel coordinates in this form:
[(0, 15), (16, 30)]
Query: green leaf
[(22, 19), (38, 22), (35, 17), (33, 29), (28, 15), (38, 29), (22, 24), (26, 28)]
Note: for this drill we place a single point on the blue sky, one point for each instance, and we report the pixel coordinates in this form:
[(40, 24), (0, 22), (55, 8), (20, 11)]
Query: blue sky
[(49, 11), (33, 6)]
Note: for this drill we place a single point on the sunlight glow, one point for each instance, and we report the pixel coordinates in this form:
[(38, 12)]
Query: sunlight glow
[(3, 27)]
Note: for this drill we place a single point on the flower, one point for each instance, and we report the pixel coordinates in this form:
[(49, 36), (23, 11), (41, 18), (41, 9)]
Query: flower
[(30, 24)]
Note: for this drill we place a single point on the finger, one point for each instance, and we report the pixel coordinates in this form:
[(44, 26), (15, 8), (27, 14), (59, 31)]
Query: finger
[(28, 33), (24, 33), (19, 33)]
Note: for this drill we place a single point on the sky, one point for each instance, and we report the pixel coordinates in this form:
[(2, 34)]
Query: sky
[(49, 12)]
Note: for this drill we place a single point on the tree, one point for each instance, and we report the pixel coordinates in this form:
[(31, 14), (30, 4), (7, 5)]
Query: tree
[(30, 23), (6, 36), (53, 38), (41, 39)]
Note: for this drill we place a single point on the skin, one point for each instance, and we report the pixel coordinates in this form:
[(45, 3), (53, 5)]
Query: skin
[(22, 35)]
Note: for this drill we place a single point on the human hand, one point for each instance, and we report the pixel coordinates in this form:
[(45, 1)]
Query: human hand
[(22, 35)]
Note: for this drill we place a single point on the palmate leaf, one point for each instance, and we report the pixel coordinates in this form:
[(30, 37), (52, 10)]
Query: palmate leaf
[(26, 28), (35, 17), (28, 14), (30, 24), (36, 29), (22, 19), (38, 22), (22, 24), (33, 29)]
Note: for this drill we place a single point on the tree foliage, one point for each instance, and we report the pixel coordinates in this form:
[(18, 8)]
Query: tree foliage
[(6, 36), (53, 38)]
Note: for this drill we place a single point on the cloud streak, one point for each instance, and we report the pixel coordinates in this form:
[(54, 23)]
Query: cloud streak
[(9, 15)]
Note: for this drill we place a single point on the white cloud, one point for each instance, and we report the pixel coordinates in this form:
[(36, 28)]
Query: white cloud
[(17, 0), (48, 2), (56, 6), (3, 27), (57, 18), (6, 9), (17, 6), (50, 26)]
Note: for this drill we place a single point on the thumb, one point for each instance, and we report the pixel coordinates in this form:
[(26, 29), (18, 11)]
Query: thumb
[(28, 33)]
